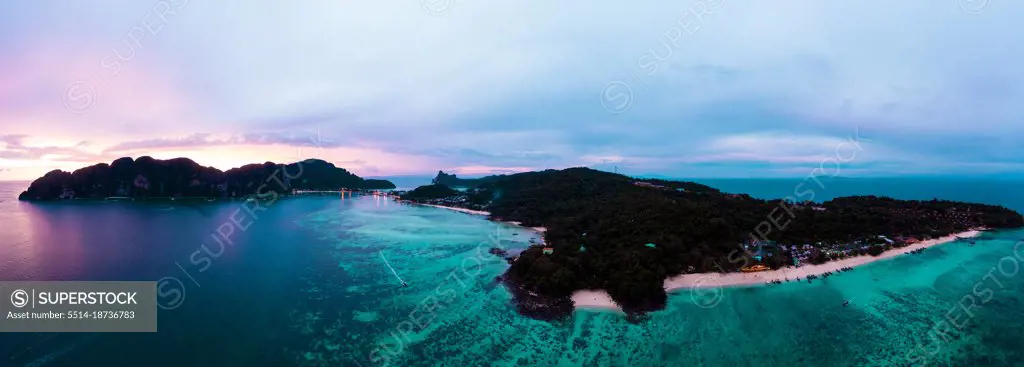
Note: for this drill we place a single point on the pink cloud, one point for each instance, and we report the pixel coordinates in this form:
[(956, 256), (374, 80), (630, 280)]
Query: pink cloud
[(61, 89)]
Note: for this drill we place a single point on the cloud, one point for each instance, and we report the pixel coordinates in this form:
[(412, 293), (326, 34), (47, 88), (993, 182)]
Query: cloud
[(487, 170), (770, 87), (209, 140), (191, 141), (775, 147), (357, 162), (13, 147)]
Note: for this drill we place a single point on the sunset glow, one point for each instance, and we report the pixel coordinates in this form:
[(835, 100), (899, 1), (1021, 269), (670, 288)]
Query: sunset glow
[(416, 92)]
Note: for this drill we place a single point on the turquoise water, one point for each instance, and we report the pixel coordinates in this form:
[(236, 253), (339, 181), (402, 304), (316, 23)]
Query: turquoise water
[(306, 285)]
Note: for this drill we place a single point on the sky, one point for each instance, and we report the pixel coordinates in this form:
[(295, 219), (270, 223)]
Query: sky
[(710, 88)]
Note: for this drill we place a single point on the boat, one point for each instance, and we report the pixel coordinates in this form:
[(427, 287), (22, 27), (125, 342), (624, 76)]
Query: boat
[(754, 269)]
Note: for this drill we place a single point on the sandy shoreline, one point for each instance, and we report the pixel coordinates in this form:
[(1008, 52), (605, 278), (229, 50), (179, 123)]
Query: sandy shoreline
[(463, 210), (535, 229), (597, 299), (600, 300), (476, 212)]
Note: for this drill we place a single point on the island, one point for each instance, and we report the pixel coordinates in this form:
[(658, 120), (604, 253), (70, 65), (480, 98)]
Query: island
[(453, 181), (149, 178), (628, 237)]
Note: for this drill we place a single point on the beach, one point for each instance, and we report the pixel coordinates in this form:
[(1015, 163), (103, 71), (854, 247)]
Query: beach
[(463, 210), (535, 229), (597, 299), (594, 300), (476, 212)]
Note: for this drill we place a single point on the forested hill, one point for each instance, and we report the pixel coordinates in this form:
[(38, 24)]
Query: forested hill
[(452, 181), (146, 177), (600, 224)]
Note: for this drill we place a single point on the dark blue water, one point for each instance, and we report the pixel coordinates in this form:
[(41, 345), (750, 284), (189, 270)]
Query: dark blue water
[(235, 306), (304, 285)]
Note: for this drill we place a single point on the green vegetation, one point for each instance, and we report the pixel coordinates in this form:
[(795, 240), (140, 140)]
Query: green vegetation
[(374, 184), (695, 228), (451, 180), (181, 177), (430, 192)]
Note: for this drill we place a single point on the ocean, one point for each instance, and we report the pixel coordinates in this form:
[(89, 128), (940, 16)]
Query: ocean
[(317, 281)]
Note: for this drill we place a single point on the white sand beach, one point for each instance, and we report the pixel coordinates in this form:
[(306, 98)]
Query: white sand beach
[(535, 229), (463, 210), (598, 299), (476, 212), (594, 300)]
